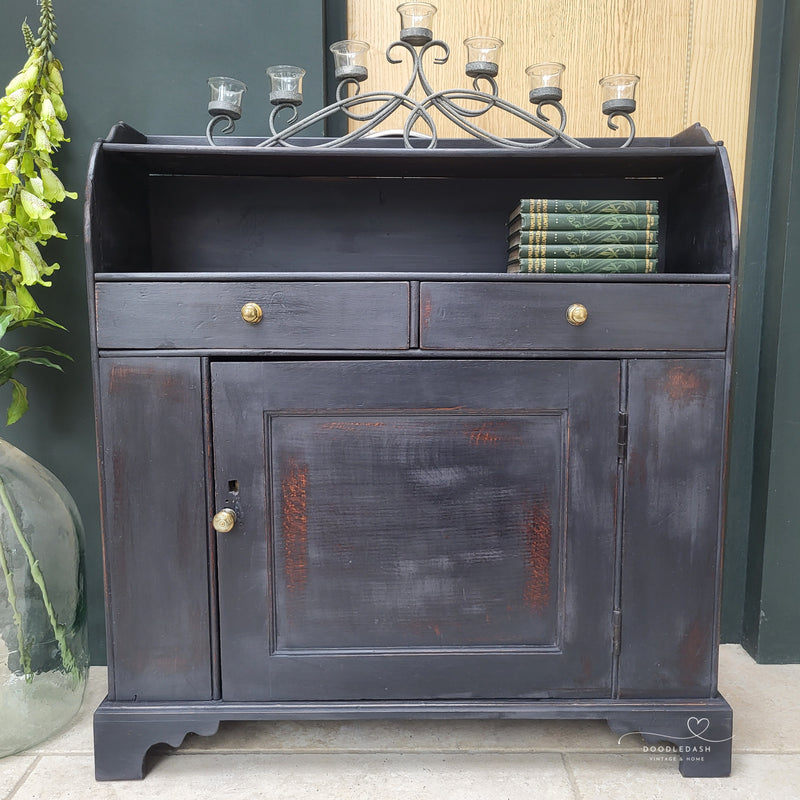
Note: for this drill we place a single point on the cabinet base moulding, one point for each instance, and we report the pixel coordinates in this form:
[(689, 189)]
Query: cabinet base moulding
[(698, 733)]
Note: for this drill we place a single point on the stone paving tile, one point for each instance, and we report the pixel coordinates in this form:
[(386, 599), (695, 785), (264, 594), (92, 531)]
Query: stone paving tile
[(766, 702), (300, 777), (12, 769), (427, 736), (638, 777)]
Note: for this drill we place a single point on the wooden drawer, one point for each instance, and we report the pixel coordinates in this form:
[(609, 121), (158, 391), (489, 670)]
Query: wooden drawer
[(529, 316), (328, 315)]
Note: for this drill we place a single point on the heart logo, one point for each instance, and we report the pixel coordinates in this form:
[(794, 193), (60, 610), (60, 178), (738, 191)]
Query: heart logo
[(697, 725)]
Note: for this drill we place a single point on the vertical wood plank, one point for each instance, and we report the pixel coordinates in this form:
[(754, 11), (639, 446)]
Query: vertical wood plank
[(718, 75), (592, 38), (670, 545), (694, 61), (154, 528)]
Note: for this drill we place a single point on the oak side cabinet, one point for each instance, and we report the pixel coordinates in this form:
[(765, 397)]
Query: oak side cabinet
[(436, 496)]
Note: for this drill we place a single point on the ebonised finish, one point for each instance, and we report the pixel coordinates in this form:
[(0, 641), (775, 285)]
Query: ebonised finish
[(450, 501)]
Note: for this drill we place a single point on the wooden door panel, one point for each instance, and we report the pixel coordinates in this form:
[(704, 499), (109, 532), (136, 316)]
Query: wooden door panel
[(416, 529)]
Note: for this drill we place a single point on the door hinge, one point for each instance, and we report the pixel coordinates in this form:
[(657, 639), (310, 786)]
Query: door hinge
[(616, 631), (622, 436)]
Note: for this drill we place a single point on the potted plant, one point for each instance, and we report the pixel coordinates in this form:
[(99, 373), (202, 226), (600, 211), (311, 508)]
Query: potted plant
[(43, 650)]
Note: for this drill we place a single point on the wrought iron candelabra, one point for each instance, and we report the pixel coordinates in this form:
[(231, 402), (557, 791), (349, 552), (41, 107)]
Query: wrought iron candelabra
[(416, 37)]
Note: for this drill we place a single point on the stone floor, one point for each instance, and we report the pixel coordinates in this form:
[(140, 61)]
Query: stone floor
[(463, 760)]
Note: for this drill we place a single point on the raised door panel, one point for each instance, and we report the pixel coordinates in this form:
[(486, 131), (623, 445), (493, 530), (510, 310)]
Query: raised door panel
[(416, 529)]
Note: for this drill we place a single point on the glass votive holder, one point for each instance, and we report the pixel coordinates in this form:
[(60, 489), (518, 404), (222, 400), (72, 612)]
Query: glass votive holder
[(483, 53), (287, 85), (619, 93), (226, 97), (416, 22), (349, 56), (544, 82)]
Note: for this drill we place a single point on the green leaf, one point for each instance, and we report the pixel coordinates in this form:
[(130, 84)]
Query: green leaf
[(45, 348), (8, 363), (6, 323), (39, 322), (41, 361), (19, 402)]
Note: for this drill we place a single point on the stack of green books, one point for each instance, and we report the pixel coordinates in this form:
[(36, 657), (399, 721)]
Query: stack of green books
[(549, 235)]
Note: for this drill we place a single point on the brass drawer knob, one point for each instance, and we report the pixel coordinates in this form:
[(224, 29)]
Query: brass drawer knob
[(224, 520), (252, 313), (577, 314)]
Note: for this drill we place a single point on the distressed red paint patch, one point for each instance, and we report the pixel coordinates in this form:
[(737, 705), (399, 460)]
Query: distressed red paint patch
[(683, 383), (427, 311), (537, 525), (493, 432), (294, 518), (350, 426)]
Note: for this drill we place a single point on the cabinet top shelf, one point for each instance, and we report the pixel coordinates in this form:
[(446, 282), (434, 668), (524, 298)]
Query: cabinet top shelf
[(192, 155), (175, 204)]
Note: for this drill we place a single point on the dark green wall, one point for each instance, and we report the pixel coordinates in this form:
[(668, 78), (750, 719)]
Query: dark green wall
[(771, 622), (755, 214), (144, 62)]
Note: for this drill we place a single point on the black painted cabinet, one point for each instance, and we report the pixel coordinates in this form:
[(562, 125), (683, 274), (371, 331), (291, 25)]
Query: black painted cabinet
[(443, 499)]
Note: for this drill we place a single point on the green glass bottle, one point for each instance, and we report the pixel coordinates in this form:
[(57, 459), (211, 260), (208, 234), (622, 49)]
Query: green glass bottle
[(44, 658)]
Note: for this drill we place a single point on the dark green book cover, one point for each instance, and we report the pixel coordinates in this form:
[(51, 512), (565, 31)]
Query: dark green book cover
[(529, 237), (584, 251), (582, 265), (531, 205), (639, 222)]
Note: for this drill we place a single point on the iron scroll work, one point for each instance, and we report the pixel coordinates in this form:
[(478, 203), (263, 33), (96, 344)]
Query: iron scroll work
[(447, 102)]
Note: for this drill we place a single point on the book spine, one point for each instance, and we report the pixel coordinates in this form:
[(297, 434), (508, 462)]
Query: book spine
[(557, 206), (571, 237), (584, 251), (583, 265), (646, 222)]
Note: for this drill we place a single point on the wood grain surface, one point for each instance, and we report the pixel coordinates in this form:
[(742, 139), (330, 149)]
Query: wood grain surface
[(694, 58)]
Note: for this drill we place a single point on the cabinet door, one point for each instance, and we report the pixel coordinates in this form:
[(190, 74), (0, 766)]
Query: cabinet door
[(416, 529)]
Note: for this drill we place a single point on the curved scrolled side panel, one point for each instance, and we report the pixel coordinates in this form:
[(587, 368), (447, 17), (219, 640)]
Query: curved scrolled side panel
[(122, 740)]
